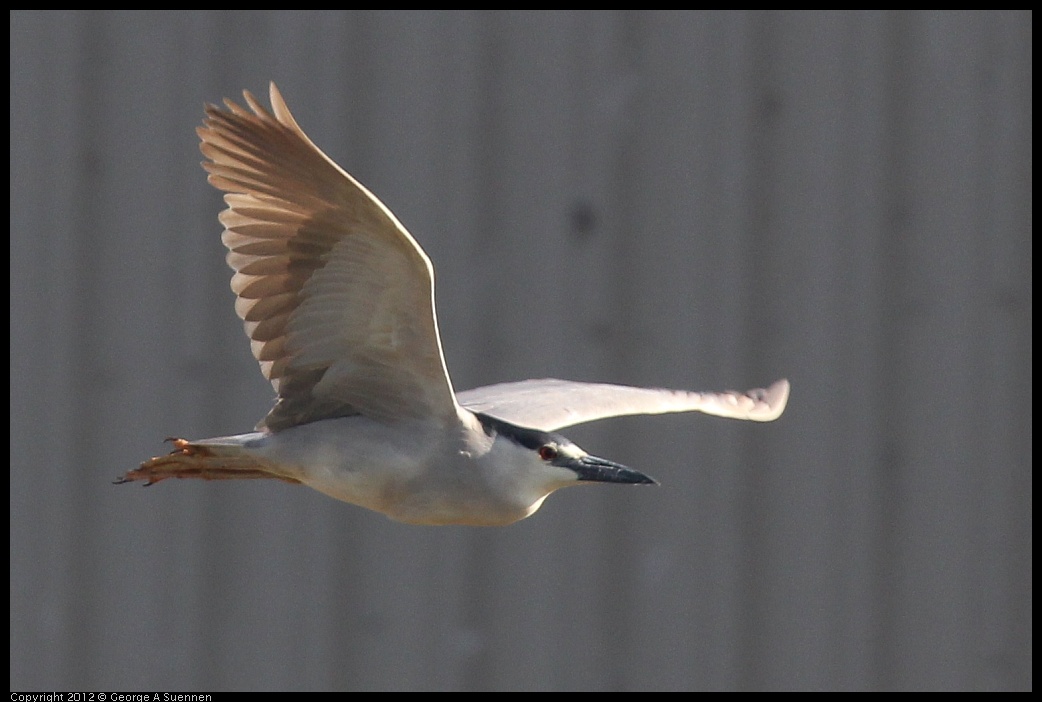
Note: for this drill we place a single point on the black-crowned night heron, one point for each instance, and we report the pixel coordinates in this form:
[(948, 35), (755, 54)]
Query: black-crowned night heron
[(338, 302)]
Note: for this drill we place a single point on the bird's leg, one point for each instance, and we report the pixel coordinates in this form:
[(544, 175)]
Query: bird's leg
[(189, 460)]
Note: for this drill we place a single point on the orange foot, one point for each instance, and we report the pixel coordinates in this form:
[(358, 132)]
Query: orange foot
[(189, 460)]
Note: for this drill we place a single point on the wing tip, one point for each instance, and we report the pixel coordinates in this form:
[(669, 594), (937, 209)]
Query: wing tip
[(776, 397)]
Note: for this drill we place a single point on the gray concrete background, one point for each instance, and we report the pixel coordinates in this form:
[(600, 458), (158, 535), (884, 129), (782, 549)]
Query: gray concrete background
[(702, 201)]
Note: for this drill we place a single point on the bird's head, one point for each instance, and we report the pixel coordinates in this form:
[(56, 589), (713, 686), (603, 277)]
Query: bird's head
[(530, 464)]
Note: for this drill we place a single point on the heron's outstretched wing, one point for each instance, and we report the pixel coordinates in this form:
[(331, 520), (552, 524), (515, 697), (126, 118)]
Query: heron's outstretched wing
[(551, 404), (336, 296)]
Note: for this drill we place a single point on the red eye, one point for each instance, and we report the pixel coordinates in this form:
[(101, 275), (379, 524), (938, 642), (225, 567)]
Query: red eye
[(547, 452)]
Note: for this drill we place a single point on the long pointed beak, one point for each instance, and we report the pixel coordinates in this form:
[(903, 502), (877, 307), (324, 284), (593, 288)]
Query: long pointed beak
[(601, 470)]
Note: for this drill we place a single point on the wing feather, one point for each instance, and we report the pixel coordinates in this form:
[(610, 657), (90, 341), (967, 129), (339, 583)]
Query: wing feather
[(336, 296), (551, 404)]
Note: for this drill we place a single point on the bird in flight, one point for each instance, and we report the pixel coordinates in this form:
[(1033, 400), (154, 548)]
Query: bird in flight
[(338, 302)]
